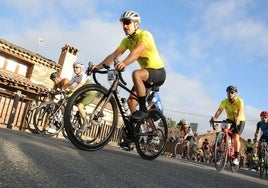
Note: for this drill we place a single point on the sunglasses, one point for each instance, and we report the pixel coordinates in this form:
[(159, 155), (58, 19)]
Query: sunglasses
[(76, 67), (230, 92), (126, 22)]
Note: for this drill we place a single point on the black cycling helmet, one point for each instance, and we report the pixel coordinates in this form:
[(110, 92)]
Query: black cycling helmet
[(54, 75), (231, 88), (249, 140)]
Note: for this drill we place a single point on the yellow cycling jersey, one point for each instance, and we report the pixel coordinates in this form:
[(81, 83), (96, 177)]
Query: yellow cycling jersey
[(150, 57), (232, 108)]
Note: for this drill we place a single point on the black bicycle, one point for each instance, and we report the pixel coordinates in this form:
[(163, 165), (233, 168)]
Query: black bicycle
[(48, 116), (102, 115), (40, 98), (264, 159)]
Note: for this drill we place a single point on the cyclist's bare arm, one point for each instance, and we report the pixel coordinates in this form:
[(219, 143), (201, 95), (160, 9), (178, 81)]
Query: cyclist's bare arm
[(218, 113), (108, 60), (240, 111), (135, 53)]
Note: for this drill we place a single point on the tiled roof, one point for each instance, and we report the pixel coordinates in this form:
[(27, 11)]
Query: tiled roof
[(19, 82), (13, 80), (25, 54)]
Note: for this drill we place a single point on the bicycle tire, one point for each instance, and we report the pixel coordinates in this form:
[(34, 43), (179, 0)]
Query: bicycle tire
[(234, 168), (64, 134), (101, 129), (220, 152), (179, 151), (156, 139), (176, 153), (266, 164), (29, 120), (262, 166), (48, 119)]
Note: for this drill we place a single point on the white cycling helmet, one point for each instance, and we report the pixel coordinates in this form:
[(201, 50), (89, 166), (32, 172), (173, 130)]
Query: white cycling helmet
[(130, 15), (78, 64)]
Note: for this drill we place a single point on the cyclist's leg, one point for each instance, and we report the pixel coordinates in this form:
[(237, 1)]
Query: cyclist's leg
[(189, 142), (141, 79), (236, 138), (132, 101), (85, 100)]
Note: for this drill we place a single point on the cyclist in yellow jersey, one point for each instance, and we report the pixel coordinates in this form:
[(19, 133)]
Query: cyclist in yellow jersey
[(142, 49), (234, 108)]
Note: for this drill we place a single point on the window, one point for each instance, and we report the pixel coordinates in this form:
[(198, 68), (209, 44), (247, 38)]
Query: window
[(2, 62), (13, 66)]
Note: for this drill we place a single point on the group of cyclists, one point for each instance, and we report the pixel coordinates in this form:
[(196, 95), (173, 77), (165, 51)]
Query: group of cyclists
[(142, 49)]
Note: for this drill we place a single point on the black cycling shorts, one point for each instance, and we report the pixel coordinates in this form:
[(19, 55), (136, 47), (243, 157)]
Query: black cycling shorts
[(156, 77), (239, 129)]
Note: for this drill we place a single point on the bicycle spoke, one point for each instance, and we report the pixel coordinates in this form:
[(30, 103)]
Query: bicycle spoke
[(101, 118), (152, 142), (220, 156)]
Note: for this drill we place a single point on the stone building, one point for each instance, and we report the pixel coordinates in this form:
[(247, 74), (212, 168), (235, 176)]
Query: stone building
[(26, 73)]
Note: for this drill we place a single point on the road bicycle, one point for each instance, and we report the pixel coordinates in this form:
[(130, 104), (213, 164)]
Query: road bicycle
[(180, 149), (102, 114), (263, 159), (223, 148), (48, 116), (40, 98)]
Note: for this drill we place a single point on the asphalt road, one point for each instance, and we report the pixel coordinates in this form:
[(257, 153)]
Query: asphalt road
[(28, 160)]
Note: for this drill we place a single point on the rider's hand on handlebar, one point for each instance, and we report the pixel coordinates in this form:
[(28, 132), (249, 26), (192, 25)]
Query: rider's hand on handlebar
[(68, 93), (120, 66), (90, 68), (211, 120)]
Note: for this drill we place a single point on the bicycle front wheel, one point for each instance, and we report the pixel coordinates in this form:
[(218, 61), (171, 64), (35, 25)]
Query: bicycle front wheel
[(101, 116), (263, 165), (151, 143), (220, 152), (48, 118)]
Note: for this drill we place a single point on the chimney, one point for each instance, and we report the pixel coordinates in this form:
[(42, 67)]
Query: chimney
[(67, 58)]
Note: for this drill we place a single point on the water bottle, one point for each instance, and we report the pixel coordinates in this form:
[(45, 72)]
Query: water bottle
[(125, 106)]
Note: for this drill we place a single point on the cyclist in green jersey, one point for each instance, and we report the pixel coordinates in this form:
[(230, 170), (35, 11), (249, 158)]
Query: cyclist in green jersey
[(234, 108), (58, 81), (142, 49)]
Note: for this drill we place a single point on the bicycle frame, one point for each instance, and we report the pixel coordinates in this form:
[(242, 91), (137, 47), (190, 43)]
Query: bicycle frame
[(225, 156), (264, 159), (103, 118), (113, 92)]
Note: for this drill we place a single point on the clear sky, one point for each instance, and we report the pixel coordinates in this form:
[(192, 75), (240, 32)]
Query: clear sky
[(207, 45)]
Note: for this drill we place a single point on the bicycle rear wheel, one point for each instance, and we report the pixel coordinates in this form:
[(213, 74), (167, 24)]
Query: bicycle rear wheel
[(150, 144), (220, 152), (48, 118), (101, 113), (29, 120)]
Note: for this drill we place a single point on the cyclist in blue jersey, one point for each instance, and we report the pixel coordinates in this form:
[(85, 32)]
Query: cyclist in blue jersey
[(263, 125), (154, 101)]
